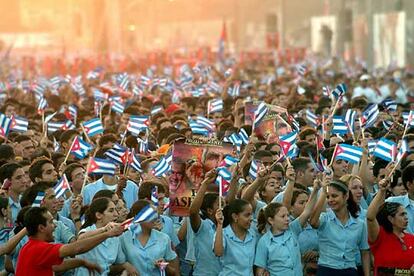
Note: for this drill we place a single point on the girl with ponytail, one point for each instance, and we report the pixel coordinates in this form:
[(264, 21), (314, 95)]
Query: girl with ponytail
[(278, 251), (341, 234)]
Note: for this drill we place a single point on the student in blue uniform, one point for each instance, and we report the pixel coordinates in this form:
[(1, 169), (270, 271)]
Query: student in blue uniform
[(341, 233), (108, 255), (236, 243), (204, 227), (278, 249), (146, 248)]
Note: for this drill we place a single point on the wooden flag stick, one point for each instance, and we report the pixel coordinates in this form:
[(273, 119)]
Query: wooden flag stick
[(333, 156), (86, 135), (68, 153)]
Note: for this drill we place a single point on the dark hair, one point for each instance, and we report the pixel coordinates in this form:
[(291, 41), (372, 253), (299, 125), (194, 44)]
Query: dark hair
[(208, 203), (137, 207), (4, 202), (98, 205), (19, 223), (40, 152), (22, 138), (35, 169), (6, 152), (378, 165), (300, 164), (296, 194), (342, 187), (7, 171), (387, 209), (67, 135), (106, 138), (235, 207), (104, 193), (70, 168), (408, 175), (146, 187), (30, 194), (267, 212), (34, 217)]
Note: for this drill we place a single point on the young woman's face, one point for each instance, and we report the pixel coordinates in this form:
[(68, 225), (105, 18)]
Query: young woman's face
[(244, 219), (399, 189), (336, 199), (356, 189), (280, 220), (299, 205), (340, 167), (400, 220), (122, 211), (110, 214), (272, 188)]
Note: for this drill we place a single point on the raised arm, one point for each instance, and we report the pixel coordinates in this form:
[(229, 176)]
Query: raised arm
[(314, 218), (218, 239), (234, 184), (195, 219), (11, 244), (250, 191), (310, 205), (84, 245), (372, 223), (290, 185)]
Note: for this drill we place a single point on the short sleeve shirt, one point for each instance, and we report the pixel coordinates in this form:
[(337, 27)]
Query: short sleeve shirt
[(37, 258)]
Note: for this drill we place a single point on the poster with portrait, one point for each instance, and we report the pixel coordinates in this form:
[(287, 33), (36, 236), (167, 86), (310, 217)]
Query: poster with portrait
[(272, 126), (251, 106), (192, 159)]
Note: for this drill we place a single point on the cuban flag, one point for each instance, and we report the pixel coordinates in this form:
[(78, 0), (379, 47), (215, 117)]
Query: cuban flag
[(229, 161), (198, 129), (42, 105), (402, 151), (408, 118), (339, 91), (352, 154), (19, 124), (92, 75), (123, 81), (350, 116), (387, 124), (326, 91), (38, 199), (243, 136), (142, 146), (118, 154), (312, 118), (234, 91), (135, 162), (236, 140), (287, 143), (372, 144), (101, 166), (154, 195), (259, 114), (163, 166), (223, 180), (386, 150), (339, 125), (301, 69), (99, 95), (137, 123), (5, 124), (207, 123), (72, 112), (156, 109), (93, 127), (146, 214), (61, 187), (68, 125), (215, 105), (315, 165), (80, 148), (370, 115), (254, 168), (145, 81), (389, 104), (324, 164), (55, 126), (117, 107), (137, 90), (214, 86)]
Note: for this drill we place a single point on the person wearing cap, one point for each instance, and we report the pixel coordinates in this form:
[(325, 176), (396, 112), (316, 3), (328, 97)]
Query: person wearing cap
[(365, 90)]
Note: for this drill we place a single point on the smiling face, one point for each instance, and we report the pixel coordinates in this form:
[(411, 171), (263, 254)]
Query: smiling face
[(340, 168), (336, 198), (356, 189)]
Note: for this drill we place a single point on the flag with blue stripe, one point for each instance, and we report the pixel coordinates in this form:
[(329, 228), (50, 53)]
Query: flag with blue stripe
[(101, 166), (349, 119), (163, 166), (154, 195), (339, 91), (408, 118), (223, 180), (389, 104), (254, 168), (146, 214), (370, 115), (80, 148), (19, 124), (287, 143), (62, 186), (386, 150), (312, 118), (118, 154), (93, 127), (38, 199), (5, 124), (137, 123), (117, 107), (352, 154), (339, 125), (215, 105), (135, 163), (259, 114), (198, 129), (243, 136), (404, 149)]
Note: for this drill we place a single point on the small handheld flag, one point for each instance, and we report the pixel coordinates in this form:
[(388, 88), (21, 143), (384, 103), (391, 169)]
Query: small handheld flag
[(349, 153), (39, 199), (386, 150), (101, 166), (93, 127), (146, 214), (61, 187)]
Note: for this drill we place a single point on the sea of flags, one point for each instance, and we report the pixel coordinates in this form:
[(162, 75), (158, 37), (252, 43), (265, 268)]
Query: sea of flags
[(118, 154), (137, 123)]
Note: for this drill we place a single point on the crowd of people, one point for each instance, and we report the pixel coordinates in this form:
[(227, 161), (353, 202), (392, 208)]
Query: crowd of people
[(87, 169)]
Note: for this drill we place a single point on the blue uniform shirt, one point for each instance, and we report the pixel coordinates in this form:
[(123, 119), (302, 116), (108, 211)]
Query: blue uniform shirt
[(168, 228), (308, 238), (143, 257), (238, 255), (338, 243), (280, 254), (405, 202), (107, 253), (15, 209), (130, 192), (207, 263)]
